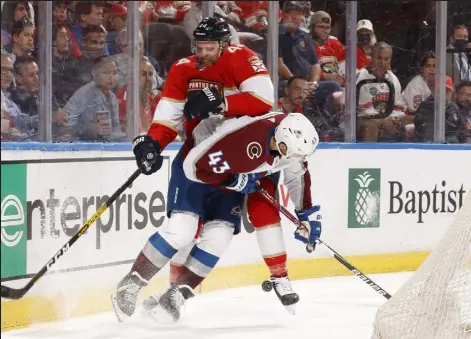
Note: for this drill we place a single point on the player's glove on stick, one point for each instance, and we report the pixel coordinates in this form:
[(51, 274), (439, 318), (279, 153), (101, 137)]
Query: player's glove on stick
[(245, 183), (312, 220), (147, 153), (203, 103)]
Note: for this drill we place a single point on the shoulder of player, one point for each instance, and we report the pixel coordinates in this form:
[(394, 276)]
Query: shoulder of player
[(238, 51), (271, 119), (183, 64)]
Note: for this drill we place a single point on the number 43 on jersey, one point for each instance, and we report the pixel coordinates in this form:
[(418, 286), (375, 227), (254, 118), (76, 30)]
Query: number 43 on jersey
[(217, 164)]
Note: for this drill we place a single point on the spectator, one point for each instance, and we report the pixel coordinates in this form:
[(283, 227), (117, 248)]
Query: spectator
[(457, 62), (25, 94), (253, 14), (93, 42), (59, 16), (366, 41), (194, 16), (13, 12), (64, 72), (22, 39), (296, 93), (59, 12), (122, 59), (172, 11), (380, 105), (91, 102), (298, 57), (421, 86), (463, 100), (88, 14), (116, 23), (71, 13), (166, 43), (9, 110), (329, 49), (425, 117), (146, 99)]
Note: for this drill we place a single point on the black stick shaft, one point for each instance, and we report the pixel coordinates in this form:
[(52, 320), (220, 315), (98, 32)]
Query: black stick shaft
[(337, 256), (12, 293)]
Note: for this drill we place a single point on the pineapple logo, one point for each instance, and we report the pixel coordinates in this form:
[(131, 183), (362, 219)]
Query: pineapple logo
[(364, 193)]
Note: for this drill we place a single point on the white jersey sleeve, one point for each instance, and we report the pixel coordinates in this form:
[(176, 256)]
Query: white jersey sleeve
[(415, 93), (297, 184)]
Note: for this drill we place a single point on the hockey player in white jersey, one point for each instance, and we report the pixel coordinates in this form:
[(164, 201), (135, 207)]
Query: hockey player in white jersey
[(265, 146)]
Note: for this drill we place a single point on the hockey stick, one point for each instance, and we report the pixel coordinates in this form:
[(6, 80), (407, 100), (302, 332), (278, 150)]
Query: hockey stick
[(310, 247), (17, 293)]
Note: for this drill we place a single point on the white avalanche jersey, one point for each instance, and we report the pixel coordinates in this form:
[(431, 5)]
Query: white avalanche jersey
[(373, 96), (416, 91)]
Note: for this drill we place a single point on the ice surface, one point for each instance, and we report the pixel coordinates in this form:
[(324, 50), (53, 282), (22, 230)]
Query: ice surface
[(329, 308)]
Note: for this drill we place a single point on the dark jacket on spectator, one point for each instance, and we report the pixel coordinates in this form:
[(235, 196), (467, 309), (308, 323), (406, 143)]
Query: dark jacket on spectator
[(464, 128), (27, 102), (64, 79), (424, 120)]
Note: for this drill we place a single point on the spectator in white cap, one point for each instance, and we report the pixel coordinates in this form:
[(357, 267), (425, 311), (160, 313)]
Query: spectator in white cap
[(366, 40)]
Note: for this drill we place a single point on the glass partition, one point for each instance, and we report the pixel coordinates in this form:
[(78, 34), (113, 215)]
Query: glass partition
[(396, 70), (364, 71), (458, 71)]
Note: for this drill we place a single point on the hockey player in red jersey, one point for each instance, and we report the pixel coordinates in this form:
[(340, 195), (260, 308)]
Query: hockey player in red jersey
[(222, 79)]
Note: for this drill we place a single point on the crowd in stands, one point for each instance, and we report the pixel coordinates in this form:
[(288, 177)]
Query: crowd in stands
[(395, 83)]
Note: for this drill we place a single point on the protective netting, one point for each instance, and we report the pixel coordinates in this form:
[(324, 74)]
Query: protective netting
[(436, 301)]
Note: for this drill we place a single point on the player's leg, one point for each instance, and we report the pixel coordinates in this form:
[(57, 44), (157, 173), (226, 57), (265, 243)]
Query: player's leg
[(223, 210), (178, 260), (185, 207), (267, 223)]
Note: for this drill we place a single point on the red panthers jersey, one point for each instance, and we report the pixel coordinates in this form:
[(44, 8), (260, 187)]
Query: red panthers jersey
[(330, 55), (239, 75), (250, 13)]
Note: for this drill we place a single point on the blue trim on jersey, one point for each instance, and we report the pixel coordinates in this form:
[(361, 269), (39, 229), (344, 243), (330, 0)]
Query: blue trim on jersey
[(162, 245), (175, 146), (204, 257)]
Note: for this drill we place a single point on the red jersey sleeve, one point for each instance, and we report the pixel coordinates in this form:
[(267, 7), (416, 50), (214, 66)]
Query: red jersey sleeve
[(338, 49), (168, 116), (256, 95)]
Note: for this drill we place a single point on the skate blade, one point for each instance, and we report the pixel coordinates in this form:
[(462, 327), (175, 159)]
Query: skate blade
[(159, 315), (291, 309), (122, 317)]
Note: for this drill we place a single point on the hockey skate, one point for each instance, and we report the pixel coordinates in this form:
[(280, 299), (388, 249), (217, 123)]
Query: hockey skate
[(171, 302), (283, 290), (125, 298)]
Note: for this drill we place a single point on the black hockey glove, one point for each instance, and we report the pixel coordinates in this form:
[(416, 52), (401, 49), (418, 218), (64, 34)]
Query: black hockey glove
[(147, 153), (203, 103)]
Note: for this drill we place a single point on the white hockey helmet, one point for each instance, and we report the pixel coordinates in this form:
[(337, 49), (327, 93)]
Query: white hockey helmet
[(298, 134)]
